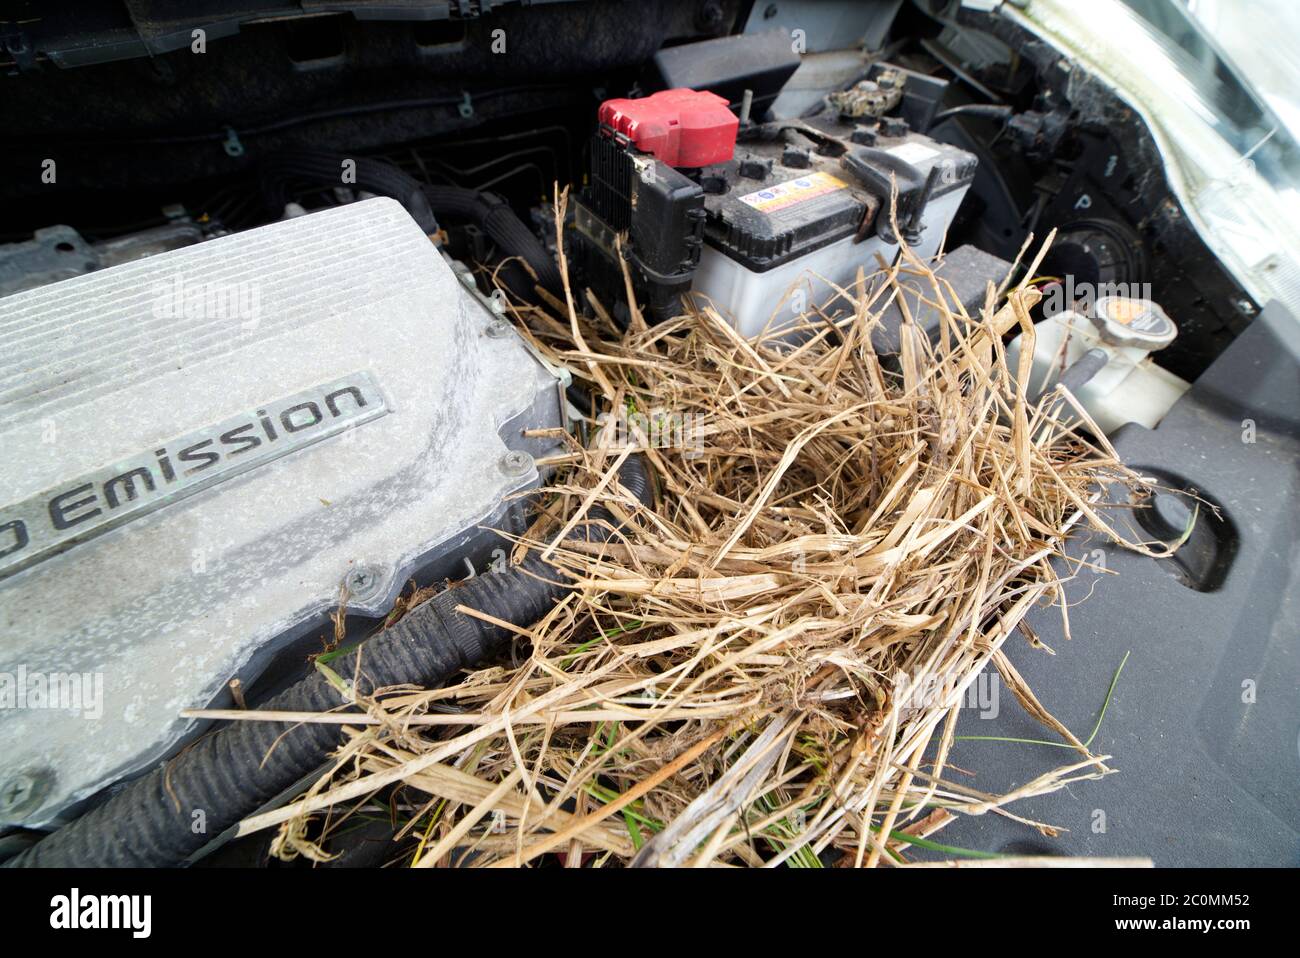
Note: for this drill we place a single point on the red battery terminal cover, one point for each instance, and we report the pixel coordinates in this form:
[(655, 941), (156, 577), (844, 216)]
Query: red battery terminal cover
[(682, 128)]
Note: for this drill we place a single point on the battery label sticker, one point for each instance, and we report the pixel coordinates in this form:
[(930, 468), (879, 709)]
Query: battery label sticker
[(778, 197), (913, 152)]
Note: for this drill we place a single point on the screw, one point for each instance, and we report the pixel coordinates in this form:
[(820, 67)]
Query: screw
[(710, 15), (499, 329), (361, 583), (24, 792), (516, 463), (16, 792)]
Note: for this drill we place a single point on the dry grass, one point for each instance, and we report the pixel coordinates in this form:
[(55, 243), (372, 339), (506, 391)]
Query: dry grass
[(735, 680)]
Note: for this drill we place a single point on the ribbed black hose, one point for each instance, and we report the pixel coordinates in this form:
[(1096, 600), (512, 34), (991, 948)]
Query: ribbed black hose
[(327, 170), (494, 217), (234, 771), (488, 211)]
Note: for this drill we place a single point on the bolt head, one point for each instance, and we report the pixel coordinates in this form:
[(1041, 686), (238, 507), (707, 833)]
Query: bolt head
[(25, 791), (516, 463), (16, 791), (362, 583)]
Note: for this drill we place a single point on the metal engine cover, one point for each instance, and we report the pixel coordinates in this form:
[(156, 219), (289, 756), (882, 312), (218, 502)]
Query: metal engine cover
[(201, 448)]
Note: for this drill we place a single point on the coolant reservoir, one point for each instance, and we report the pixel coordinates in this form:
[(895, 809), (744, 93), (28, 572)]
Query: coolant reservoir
[(1129, 387)]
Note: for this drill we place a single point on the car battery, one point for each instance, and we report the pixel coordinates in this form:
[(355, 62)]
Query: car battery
[(790, 218), (758, 220)]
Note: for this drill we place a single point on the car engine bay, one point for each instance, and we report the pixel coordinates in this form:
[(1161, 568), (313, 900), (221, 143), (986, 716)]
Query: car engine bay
[(260, 381)]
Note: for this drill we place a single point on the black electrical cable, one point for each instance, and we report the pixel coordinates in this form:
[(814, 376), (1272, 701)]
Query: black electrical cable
[(289, 122), (234, 771), (989, 111), (375, 176)]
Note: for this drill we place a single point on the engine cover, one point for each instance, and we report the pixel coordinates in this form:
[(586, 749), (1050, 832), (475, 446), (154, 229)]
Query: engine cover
[(201, 448)]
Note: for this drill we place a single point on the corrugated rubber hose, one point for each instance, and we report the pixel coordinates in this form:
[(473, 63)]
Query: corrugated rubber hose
[(488, 211), (234, 771), (512, 237), (327, 170)]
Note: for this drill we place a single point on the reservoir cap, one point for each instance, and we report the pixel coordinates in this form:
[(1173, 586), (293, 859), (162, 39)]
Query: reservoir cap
[(1122, 321)]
